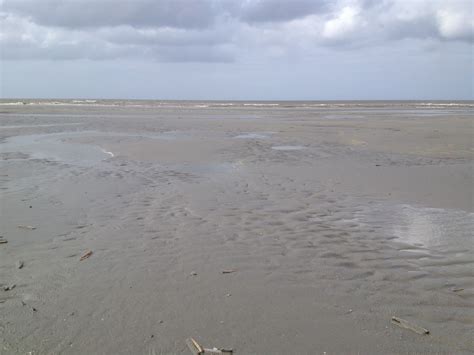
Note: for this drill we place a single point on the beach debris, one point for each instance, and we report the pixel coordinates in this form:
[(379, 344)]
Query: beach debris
[(23, 303), (86, 255), (407, 325), (229, 271), (193, 273), (197, 349), (3, 241), (9, 287), (457, 289), (19, 264), (193, 345), (31, 228)]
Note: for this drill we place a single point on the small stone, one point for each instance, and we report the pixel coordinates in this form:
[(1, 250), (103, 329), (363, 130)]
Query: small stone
[(193, 273), (20, 264)]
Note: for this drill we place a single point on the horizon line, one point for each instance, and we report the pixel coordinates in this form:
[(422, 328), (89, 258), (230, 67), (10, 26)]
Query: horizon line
[(235, 100)]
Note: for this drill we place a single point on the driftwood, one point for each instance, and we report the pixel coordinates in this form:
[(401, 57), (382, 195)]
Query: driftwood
[(197, 349), (228, 271), (407, 325), (86, 255), (9, 287), (3, 241), (27, 227)]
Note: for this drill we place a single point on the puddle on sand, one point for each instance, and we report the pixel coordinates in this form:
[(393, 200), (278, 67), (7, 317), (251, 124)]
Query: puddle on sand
[(55, 146), (52, 146), (39, 125), (253, 136), (420, 226), (288, 147)]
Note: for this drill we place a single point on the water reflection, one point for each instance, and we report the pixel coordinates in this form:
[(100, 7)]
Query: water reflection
[(54, 147), (60, 146), (252, 136), (427, 227), (288, 147)]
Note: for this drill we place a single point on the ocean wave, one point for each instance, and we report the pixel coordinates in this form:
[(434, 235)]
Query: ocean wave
[(84, 101), (15, 103), (151, 104)]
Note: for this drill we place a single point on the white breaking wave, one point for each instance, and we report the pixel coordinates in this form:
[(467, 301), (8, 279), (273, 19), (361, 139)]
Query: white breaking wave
[(16, 103), (107, 152), (155, 104)]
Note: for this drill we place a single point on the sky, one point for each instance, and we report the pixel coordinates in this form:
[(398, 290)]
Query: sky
[(237, 49)]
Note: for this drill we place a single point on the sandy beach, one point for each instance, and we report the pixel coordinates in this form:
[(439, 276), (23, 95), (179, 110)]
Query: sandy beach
[(268, 228)]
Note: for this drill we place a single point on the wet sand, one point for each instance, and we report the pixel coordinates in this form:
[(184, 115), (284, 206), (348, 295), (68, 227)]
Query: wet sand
[(333, 219)]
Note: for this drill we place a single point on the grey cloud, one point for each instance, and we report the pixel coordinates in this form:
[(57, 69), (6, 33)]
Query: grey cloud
[(162, 36), (103, 13), (220, 31), (280, 10), (162, 13)]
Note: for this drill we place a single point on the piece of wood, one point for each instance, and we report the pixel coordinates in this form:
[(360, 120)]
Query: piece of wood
[(407, 325), (193, 345), (86, 255), (197, 349), (26, 227), (9, 287), (3, 241), (228, 271)]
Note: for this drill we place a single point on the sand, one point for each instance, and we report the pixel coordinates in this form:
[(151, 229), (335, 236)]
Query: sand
[(332, 218)]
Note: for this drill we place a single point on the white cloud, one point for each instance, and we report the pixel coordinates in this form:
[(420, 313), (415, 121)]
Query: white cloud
[(345, 23), (455, 24)]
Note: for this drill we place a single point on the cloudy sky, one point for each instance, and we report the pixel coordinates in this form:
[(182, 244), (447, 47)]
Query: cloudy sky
[(237, 49)]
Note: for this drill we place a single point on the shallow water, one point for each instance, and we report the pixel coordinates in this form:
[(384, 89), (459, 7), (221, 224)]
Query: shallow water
[(59, 147), (431, 228), (38, 125), (252, 136), (52, 146), (288, 147)]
